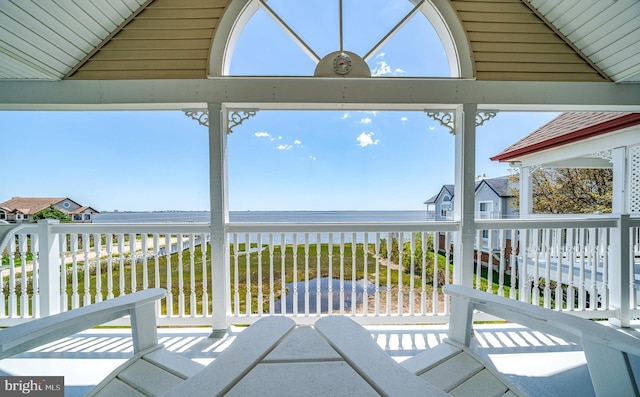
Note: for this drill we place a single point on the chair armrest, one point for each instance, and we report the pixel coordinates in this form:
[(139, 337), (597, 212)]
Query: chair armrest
[(139, 305), (605, 348)]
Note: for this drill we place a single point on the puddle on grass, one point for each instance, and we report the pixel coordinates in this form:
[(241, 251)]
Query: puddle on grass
[(360, 286)]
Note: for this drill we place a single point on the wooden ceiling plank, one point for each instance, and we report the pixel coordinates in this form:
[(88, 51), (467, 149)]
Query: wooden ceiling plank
[(157, 44), (570, 58), (488, 6), (173, 24), (182, 13), (523, 47), (140, 74), (172, 4), (164, 34), (150, 54), (497, 17), (548, 38), (576, 77), (493, 27), (157, 64), (533, 67)]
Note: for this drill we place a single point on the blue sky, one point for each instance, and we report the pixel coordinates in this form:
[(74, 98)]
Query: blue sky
[(278, 160)]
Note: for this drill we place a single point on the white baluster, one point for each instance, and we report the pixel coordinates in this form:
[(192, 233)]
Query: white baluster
[(169, 297), (423, 273), (478, 258), (295, 273), (35, 276), (192, 275), (121, 256), (365, 293), (247, 255), (489, 261), (512, 264), (447, 271), (330, 281), (179, 252), (354, 296), (558, 251), (260, 280), (525, 292), (389, 249), (236, 276), (13, 297), (503, 261), (283, 290), (205, 281), (436, 249), (132, 257), (571, 261), (62, 248), (412, 264), (272, 297), (606, 252), (319, 274), (546, 246), (75, 298), (400, 271), (86, 246), (97, 247), (593, 261), (582, 252), (156, 260), (144, 239), (341, 273), (306, 274), (109, 266), (535, 242), (377, 277)]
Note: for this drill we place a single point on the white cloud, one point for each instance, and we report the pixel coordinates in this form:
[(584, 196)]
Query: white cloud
[(404, 119), (371, 112), (365, 120), (382, 68), (279, 136), (365, 139), (345, 116), (262, 134), (313, 158), (431, 128), (284, 147), (297, 142)]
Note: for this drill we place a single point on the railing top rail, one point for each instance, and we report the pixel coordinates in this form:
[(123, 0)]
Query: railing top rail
[(338, 227), (115, 228), (547, 223)]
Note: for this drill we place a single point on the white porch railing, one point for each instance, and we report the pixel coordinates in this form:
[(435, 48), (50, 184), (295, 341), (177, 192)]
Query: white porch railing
[(586, 266)]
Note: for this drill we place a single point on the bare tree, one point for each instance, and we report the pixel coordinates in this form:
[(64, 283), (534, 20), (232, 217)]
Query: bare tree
[(570, 190)]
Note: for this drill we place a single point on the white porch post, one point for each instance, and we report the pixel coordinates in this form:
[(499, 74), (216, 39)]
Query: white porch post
[(526, 199), (620, 282), (219, 217), (619, 199), (49, 262), (465, 166)]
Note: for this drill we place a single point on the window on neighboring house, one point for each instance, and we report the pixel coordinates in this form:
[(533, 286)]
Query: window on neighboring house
[(77, 217), (3, 215), (87, 217), (485, 208)]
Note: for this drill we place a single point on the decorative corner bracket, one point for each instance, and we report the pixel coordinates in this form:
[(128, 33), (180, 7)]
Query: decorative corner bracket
[(201, 116), (483, 116), (236, 117), (446, 119), (605, 155)]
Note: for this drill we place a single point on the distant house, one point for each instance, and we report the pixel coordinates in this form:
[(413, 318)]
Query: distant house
[(582, 140), (23, 209), (494, 199)]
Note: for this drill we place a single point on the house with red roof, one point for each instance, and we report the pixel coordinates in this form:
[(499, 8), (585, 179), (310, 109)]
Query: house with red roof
[(583, 140), (23, 209)]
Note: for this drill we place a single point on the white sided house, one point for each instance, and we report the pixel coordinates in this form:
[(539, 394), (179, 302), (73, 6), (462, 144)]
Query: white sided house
[(583, 140), (23, 209), (494, 199)]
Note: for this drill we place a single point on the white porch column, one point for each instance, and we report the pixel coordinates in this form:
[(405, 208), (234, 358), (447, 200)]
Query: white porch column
[(219, 218), (526, 198), (619, 197), (49, 273), (465, 166), (620, 281)]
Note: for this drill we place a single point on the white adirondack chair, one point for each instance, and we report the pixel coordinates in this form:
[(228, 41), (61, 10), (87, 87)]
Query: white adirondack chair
[(456, 369)]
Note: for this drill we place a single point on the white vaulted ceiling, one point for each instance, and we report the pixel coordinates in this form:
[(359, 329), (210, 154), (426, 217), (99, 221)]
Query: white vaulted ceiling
[(607, 32), (45, 39), (528, 40)]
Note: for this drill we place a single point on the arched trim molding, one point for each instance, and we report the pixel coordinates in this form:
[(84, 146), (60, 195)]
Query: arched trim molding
[(440, 14)]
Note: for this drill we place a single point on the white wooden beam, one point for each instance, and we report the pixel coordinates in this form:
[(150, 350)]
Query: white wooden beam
[(322, 93)]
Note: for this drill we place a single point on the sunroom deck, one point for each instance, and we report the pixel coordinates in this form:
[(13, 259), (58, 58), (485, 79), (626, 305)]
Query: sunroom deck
[(538, 364)]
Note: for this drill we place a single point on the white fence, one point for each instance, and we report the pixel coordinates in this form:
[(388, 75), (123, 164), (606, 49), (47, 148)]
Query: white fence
[(377, 273)]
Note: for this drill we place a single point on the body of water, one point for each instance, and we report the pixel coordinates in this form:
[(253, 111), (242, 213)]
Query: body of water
[(262, 216)]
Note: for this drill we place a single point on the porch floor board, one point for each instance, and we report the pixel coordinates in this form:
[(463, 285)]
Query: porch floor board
[(540, 365)]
